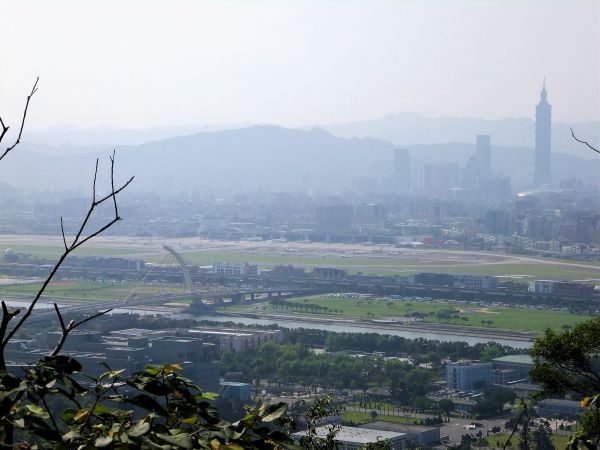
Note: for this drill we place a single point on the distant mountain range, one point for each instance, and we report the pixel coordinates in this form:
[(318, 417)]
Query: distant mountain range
[(266, 158), (408, 129)]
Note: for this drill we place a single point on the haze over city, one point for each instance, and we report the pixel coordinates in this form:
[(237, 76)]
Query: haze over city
[(146, 64), (327, 225)]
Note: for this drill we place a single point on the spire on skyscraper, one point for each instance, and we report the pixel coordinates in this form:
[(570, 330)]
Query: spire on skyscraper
[(544, 93), (543, 136)]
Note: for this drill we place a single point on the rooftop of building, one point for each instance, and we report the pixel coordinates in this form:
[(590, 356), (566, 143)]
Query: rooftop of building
[(516, 359), (466, 362), (231, 331), (397, 427), (355, 435), (559, 401)]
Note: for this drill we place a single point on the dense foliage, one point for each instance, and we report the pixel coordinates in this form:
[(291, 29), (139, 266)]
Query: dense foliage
[(51, 405), (568, 362), (397, 345), (296, 363)]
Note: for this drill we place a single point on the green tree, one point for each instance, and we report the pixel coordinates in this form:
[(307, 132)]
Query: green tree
[(541, 438), (446, 406), (567, 360)]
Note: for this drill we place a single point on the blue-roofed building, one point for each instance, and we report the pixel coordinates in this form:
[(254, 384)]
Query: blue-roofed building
[(232, 390)]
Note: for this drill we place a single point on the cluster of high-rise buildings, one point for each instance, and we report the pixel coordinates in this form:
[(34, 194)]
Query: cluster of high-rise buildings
[(477, 175)]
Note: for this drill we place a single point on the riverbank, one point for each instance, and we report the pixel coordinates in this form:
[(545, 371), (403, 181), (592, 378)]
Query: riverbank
[(446, 333)]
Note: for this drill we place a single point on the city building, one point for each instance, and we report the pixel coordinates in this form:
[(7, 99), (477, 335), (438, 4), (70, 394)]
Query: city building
[(428, 179), (559, 407), (227, 268), (467, 281), (420, 434), (543, 130), (231, 390), (434, 279), (235, 340), (329, 272), (484, 159), (351, 438), (401, 171), (370, 214), (560, 288), (335, 217), (511, 368), (468, 376), (288, 271)]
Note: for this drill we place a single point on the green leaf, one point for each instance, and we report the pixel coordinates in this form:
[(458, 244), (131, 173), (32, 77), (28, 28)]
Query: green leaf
[(71, 435), (37, 410), (189, 420), (181, 440), (148, 403), (81, 414), (67, 415), (139, 429), (19, 423), (61, 363), (272, 412), (103, 441), (208, 396)]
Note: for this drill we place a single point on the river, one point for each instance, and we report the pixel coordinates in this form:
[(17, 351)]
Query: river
[(382, 328), (358, 328)]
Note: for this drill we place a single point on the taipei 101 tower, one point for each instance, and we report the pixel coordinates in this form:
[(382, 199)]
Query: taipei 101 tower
[(543, 128)]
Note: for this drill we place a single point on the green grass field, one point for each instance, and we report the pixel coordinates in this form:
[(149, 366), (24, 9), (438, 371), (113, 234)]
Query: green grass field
[(365, 417), (560, 441), (373, 265), (54, 251), (377, 265), (85, 291), (503, 318), (529, 271)]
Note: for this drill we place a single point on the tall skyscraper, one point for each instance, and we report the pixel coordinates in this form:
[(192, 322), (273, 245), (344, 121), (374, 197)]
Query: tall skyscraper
[(401, 171), (484, 158), (543, 149)]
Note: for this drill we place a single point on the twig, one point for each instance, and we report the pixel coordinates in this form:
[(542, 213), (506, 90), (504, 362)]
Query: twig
[(70, 327), (514, 430), (5, 128), (76, 243), (584, 142), (6, 318), (62, 229)]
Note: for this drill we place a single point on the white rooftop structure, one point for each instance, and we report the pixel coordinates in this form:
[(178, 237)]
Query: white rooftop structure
[(351, 438)]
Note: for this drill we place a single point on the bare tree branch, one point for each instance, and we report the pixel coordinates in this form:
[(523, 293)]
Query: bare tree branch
[(517, 423), (70, 327), (76, 243), (5, 128), (62, 229), (7, 316), (583, 142)]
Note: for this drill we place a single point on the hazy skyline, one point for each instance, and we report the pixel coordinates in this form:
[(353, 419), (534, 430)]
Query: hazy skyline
[(151, 64)]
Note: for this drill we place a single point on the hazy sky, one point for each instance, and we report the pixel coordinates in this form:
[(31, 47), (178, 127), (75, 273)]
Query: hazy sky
[(137, 64)]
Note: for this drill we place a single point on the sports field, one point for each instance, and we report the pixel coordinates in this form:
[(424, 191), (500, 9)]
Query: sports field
[(452, 313)]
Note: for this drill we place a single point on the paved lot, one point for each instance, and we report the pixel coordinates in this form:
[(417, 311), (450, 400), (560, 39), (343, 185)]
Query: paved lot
[(455, 429)]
